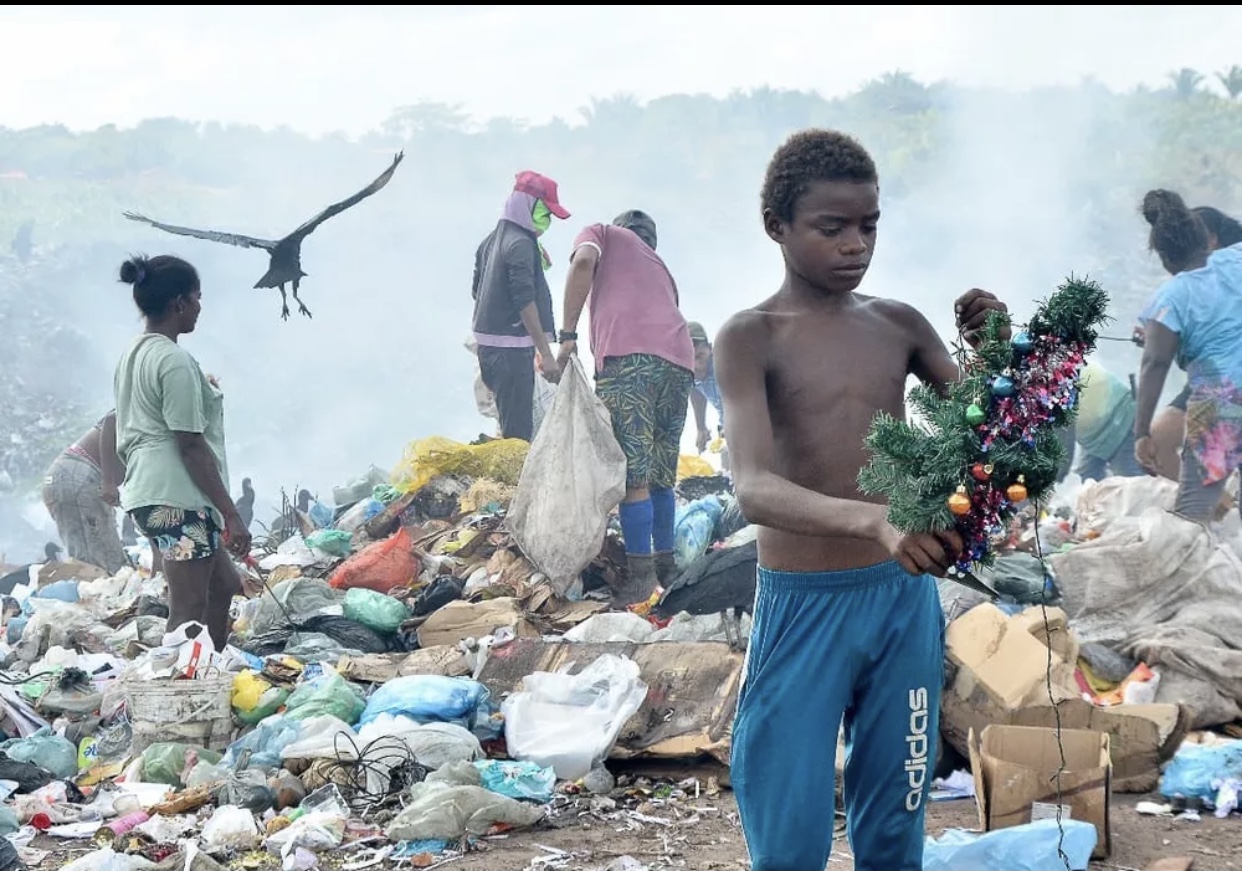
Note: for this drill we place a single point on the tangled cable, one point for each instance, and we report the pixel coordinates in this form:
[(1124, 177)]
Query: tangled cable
[(366, 778)]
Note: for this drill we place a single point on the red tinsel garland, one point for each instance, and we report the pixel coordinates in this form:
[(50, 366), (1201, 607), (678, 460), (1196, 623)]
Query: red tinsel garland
[(1045, 387)]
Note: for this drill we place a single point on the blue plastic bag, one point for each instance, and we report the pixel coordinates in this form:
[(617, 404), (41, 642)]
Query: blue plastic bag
[(64, 591), (519, 780), (1029, 847), (321, 515), (1193, 768), (266, 743), (13, 629), (695, 529), (429, 698)]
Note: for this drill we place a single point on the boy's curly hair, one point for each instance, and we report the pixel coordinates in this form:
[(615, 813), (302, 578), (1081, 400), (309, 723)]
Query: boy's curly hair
[(810, 156)]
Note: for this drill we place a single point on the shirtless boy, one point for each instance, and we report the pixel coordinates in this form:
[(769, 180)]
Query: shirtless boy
[(847, 619)]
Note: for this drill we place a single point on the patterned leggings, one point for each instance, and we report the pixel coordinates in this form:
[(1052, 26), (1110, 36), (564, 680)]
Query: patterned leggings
[(647, 397)]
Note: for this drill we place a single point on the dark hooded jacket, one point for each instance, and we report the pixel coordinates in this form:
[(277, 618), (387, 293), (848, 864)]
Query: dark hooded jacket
[(508, 276)]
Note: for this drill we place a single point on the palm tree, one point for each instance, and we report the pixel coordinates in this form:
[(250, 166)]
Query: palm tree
[(1232, 80), (1185, 82)]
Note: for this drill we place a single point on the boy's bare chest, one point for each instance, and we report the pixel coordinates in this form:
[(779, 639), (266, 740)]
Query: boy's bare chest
[(856, 362)]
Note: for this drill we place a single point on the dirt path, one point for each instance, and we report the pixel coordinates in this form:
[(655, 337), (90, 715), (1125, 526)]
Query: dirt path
[(704, 835), (664, 825)]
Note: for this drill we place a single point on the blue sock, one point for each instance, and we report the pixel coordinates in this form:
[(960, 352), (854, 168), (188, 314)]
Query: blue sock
[(663, 516), (636, 526)]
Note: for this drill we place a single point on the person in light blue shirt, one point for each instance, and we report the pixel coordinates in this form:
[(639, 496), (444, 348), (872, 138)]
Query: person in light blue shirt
[(705, 388), (1195, 319)]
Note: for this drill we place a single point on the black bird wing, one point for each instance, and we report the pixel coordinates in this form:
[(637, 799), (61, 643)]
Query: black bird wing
[(336, 208), (209, 235)]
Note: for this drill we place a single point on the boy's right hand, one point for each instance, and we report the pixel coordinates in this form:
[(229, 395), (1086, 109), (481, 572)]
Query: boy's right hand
[(924, 553)]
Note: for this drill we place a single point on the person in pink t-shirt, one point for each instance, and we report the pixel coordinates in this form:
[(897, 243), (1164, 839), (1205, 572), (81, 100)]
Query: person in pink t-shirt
[(644, 374)]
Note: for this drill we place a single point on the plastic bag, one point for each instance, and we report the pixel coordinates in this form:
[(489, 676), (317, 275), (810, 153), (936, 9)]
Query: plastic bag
[(1028, 847), (428, 697), (375, 610), (296, 599), (573, 478), (695, 529), (449, 812), (327, 694), (429, 458), (46, 750), (164, 762), (266, 743), (570, 721), (689, 466), (230, 828), (330, 541), (254, 698), (545, 394), (380, 566), (521, 780), (1193, 768)]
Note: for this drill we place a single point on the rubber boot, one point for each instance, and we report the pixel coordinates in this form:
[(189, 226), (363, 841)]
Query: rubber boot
[(640, 580), (666, 568)]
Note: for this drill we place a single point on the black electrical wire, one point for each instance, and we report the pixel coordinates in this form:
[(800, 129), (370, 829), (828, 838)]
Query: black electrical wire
[(392, 764)]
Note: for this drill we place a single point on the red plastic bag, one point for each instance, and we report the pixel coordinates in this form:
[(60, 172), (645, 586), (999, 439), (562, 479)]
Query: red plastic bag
[(380, 566)]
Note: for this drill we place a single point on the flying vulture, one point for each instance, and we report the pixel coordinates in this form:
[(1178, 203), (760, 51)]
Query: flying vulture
[(286, 253)]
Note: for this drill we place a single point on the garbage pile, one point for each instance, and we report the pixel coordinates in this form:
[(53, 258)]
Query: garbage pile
[(410, 682), (407, 683), (1125, 634)]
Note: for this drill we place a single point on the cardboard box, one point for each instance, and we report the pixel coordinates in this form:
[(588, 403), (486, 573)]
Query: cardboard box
[(998, 675), (1015, 778)]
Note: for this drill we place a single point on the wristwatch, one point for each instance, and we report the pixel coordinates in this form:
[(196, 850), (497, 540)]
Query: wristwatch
[(566, 336)]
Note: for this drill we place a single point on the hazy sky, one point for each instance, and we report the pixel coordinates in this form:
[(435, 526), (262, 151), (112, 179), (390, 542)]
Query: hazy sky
[(322, 68)]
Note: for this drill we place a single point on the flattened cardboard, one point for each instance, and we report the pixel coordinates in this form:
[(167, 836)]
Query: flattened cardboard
[(460, 620), (1015, 766)]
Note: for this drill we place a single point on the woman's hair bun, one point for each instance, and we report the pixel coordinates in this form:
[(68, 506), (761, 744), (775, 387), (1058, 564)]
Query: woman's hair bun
[(1160, 203), (133, 270)]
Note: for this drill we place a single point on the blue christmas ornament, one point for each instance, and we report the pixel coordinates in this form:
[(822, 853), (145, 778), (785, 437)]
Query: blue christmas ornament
[(1022, 343), (1002, 385)]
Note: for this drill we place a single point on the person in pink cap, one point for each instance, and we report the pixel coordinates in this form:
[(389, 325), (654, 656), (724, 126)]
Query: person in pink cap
[(513, 305)]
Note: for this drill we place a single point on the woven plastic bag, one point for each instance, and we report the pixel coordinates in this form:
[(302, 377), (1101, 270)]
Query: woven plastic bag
[(574, 476), (500, 460), (380, 566)]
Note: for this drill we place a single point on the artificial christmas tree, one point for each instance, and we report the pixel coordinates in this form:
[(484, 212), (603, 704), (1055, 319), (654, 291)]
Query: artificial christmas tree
[(989, 443)]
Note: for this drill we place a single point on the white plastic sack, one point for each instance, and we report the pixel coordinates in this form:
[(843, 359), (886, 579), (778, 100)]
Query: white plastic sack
[(545, 395), (574, 475), (1164, 591), (1100, 503), (484, 400), (569, 722)]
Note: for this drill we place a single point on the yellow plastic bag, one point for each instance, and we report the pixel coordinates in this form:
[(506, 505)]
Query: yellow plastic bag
[(425, 459), (693, 467), (254, 698)]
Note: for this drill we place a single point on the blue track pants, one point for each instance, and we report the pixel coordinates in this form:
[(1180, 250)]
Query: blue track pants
[(864, 645)]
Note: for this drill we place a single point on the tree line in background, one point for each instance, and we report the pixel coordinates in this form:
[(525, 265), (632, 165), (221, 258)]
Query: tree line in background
[(675, 138)]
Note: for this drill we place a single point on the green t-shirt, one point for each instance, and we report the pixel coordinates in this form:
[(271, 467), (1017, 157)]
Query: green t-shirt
[(160, 390)]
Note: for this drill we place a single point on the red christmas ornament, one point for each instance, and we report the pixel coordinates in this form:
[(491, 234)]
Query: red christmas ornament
[(981, 472)]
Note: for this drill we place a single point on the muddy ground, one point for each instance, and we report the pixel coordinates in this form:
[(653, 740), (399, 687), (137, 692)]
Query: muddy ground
[(661, 823), (704, 835)]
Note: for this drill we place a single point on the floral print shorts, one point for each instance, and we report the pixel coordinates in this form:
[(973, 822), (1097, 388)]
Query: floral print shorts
[(180, 534)]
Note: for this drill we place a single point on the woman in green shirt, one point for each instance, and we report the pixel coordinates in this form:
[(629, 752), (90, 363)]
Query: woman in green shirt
[(170, 438)]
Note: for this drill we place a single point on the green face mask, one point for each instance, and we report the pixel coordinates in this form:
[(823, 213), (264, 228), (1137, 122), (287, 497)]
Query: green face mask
[(541, 217)]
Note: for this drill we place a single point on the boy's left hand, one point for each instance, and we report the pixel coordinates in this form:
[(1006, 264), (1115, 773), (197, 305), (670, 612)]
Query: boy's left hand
[(972, 309)]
